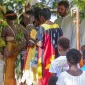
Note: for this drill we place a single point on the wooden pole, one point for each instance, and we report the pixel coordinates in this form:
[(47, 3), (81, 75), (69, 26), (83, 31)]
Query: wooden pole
[(76, 21)]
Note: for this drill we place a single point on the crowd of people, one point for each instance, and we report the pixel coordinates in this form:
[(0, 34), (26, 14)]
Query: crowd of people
[(47, 50)]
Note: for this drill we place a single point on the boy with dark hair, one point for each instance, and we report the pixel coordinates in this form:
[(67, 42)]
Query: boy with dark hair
[(60, 64), (47, 37)]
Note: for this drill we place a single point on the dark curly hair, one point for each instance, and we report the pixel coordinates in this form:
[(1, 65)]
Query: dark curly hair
[(36, 12), (46, 13), (30, 12), (64, 42), (73, 56), (64, 3), (10, 15)]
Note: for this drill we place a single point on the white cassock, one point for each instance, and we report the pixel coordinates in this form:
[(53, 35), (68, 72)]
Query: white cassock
[(59, 21), (82, 32), (69, 30), (2, 63)]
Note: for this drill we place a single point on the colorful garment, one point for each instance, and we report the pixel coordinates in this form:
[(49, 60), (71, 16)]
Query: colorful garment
[(48, 34), (30, 71)]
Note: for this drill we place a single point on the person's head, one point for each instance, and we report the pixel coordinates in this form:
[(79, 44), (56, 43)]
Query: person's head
[(63, 7), (45, 14), (63, 44), (36, 16), (28, 17), (73, 57), (10, 16), (84, 56), (52, 80)]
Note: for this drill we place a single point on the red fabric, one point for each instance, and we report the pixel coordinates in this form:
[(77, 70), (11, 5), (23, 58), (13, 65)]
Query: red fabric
[(26, 57), (49, 51)]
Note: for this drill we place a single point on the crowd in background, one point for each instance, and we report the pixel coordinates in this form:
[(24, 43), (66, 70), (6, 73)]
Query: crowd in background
[(46, 50)]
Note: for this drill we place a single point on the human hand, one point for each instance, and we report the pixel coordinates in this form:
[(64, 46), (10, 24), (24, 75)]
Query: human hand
[(7, 53)]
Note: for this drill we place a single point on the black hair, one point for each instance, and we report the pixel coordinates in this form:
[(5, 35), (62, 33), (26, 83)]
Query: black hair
[(21, 20), (10, 17), (84, 54), (30, 12), (52, 80), (64, 42), (36, 12), (46, 13), (73, 56), (64, 3)]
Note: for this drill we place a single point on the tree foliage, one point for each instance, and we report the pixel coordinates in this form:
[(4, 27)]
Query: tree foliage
[(19, 5)]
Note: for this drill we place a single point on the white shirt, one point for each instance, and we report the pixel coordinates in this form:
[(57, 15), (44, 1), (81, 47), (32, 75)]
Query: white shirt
[(59, 65), (67, 79)]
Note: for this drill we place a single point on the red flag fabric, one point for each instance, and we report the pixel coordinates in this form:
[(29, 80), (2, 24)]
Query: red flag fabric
[(48, 52)]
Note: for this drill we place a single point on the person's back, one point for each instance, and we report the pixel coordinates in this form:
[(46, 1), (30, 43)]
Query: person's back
[(49, 33), (67, 79)]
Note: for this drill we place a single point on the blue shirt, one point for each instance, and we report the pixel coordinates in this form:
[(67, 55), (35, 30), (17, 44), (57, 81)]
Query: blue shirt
[(83, 68)]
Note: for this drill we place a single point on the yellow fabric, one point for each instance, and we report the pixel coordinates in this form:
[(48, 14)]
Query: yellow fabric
[(30, 56), (39, 69), (10, 66), (33, 34), (47, 26), (52, 58)]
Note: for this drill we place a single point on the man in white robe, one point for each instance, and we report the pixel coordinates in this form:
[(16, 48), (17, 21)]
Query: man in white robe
[(62, 11), (66, 23), (69, 30)]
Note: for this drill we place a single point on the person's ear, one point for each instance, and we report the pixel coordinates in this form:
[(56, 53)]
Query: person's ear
[(42, 19)]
